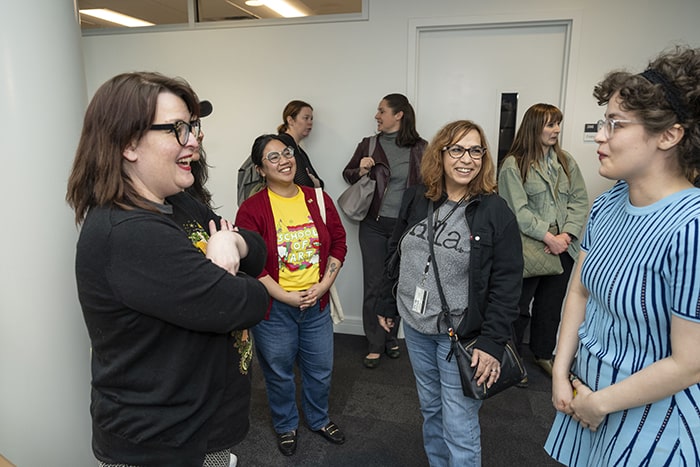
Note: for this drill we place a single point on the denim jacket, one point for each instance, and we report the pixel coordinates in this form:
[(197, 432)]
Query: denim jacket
[(546, 199)]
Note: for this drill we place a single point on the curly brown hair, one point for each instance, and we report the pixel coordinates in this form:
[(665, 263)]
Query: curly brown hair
[(432, 165), (681, 69)]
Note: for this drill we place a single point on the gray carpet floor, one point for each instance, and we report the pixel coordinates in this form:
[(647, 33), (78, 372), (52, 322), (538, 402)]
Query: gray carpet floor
[(379, 413)]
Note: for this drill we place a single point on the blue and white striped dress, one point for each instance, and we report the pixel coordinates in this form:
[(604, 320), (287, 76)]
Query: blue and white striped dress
[(642, 266)]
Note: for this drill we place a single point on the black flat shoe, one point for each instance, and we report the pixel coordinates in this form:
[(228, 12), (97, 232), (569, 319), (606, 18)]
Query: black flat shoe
[(287, 442), (371, 362), (393, 352), (332, 433)]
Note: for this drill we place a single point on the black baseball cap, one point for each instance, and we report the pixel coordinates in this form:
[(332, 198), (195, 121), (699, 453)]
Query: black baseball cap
[(205, 108)]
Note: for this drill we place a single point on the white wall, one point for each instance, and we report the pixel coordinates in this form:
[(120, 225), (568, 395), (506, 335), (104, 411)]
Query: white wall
[(44, 349), (343, 70), (249, 73)]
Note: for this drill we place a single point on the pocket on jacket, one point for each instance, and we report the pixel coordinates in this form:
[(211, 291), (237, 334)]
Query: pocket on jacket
[(564, 187), (537, 193)]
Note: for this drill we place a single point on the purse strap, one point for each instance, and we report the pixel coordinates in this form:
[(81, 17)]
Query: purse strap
[(321, 203), (431, 259), (372, 145)]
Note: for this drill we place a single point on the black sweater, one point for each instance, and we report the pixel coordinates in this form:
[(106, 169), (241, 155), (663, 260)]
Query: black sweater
[(495, 266), (160, 315)]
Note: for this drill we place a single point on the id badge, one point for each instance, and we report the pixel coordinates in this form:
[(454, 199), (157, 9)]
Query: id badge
[(420, 300)]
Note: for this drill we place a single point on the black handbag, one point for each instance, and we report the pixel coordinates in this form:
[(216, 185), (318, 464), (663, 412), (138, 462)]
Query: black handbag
[(512, 367)]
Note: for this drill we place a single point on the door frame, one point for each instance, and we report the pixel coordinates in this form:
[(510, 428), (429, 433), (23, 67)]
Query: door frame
[(570, 20)]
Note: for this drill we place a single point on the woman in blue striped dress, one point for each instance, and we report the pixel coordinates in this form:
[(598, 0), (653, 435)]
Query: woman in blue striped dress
[(626, 379)]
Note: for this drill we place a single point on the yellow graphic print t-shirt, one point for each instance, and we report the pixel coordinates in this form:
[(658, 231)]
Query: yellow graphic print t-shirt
[(242, 339), (297, 242)]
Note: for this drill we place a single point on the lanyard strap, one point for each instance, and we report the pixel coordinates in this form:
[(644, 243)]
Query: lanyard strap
[(439, 223)]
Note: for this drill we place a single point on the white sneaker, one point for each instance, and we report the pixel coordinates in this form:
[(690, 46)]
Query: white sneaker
[(234, 460)]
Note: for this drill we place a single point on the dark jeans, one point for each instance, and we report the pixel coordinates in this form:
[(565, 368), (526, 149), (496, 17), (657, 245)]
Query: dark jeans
[(546, 293), (374, 243)]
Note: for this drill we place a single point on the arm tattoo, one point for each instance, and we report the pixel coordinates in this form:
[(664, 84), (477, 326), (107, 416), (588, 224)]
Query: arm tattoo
[(332, 267)]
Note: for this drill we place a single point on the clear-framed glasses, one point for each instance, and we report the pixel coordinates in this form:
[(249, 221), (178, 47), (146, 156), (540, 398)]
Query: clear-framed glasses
[(609, 124), (274, 157), (457, 152), (181, 129)]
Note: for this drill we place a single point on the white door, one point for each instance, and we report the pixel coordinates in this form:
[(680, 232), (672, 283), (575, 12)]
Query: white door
[(461, 72)]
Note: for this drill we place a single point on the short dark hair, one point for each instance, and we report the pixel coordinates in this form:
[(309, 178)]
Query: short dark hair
[(256, 152)]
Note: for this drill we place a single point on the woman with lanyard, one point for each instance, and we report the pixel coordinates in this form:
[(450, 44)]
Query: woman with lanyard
[(476, 244)]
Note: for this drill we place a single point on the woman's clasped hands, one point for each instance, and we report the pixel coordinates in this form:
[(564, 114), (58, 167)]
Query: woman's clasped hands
[(574, 398)]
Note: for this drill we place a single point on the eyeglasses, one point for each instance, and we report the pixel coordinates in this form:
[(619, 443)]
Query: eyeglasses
[(181, 129), (609, 125), (274, 157), (457, 152)]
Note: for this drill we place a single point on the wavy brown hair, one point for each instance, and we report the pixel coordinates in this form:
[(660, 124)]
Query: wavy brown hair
[(432, 165), (119, 114), (527, 145), (681, 69)]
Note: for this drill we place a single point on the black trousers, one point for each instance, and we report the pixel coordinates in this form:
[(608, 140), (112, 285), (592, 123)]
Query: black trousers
[(546, 294), (374, 244)]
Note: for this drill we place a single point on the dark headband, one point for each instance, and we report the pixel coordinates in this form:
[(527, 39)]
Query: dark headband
[(671, 91)]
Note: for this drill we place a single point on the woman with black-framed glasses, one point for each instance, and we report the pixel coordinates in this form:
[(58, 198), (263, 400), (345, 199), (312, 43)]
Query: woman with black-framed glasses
[(545, 189), (477, 247), (167, 287)]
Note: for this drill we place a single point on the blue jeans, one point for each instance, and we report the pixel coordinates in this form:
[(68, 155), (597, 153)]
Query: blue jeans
[(301, 336), (451, 432)]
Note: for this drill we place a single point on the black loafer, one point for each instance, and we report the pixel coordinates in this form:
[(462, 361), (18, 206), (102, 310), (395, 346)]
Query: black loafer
[(523, 383), (371, 362), (287, 442), (393, 352), (332, 433)]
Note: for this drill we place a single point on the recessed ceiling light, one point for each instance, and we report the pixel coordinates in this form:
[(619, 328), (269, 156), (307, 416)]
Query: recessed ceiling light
[(116, 18), (283, 8)]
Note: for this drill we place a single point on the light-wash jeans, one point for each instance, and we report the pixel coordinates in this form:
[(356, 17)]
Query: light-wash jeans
[(451, 432)]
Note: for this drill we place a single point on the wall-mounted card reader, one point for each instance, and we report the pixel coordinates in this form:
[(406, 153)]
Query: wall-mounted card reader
[(589, 131)]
